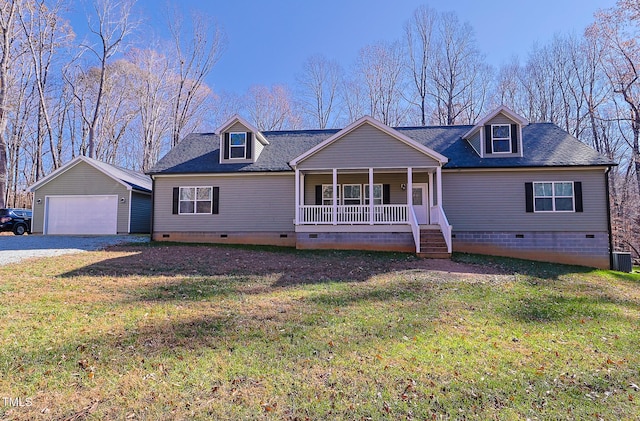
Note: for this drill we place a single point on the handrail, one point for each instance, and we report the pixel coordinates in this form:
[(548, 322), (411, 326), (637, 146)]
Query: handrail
[(445, 227), (415, 228)]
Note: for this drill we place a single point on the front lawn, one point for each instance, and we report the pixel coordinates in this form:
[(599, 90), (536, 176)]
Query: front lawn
[(194, 332)]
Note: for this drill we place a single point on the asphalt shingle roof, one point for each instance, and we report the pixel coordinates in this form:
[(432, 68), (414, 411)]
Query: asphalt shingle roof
[(545, 145), (138, 181)]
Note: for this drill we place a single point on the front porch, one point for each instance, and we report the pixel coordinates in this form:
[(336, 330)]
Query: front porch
[(390, 200)]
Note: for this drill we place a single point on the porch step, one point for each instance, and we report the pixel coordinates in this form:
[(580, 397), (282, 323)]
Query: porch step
[(433, 244)]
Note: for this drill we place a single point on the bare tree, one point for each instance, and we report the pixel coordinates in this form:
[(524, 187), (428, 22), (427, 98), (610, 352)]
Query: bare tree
[(151, 100), (112, 26), (454, 73), (195, 56), (44, 34), (419, 37), (618, 29), (270, 108), (8, 35), (379, 67), (319, 84)]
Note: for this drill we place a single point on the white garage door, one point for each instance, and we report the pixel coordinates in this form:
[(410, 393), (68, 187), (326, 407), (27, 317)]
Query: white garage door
[(81, 215)]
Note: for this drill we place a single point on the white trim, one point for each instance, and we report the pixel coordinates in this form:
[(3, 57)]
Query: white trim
[(354, 228), (237, 119), (226, 174), (69, 165), (378, 125), (129, 222), (439, 187), (334, 193), (500, 110), (244, 155), (296, 220), (508, 139), (195, 200), (525, 169), (553, 196), (371, 196), (409, 186)]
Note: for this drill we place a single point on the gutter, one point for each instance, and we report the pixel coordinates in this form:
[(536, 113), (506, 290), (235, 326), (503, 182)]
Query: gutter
[(153, 204), (608, 197)]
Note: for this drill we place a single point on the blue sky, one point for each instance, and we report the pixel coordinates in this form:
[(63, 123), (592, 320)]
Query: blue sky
[(268, 40)]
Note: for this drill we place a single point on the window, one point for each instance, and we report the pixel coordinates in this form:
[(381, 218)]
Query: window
[(352, 194), (195, 200), (327, 194), (237, 145), (377, 194), (553, 196), (501, 138)]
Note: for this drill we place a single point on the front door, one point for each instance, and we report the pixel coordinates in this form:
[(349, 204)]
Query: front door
[(420, 204)]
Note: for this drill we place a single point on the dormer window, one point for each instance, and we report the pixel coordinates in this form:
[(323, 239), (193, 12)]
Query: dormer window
[(501, 138), (238, 145)]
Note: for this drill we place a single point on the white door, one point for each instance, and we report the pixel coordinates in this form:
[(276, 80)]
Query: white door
[(81, 215), (420, 203)]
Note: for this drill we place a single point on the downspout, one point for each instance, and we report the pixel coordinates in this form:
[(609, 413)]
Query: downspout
[(153, 204), (606, 183)]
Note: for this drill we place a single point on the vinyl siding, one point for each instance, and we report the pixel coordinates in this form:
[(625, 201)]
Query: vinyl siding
[(501, 119), (256, 203), (81, 179), (398, 196), (495, 201), (475, 142), (140, 213), (367, 147)]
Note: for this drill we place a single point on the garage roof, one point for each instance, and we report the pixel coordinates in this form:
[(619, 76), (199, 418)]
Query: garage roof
[(132, 180)]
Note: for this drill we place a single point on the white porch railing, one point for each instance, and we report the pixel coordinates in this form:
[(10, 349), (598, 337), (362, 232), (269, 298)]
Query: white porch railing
[(438, 217), (353, 214)]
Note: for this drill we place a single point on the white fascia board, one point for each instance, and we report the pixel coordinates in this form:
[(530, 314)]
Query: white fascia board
[(237, 119), (502, 109)]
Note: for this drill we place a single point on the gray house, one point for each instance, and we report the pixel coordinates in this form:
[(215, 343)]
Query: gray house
[(90, 197), (502, 187)]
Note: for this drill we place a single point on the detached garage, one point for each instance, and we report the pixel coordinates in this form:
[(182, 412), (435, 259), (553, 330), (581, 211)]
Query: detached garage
[(90, 197)]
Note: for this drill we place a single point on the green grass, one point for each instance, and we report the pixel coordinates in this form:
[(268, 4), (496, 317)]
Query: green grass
[(195, 332)]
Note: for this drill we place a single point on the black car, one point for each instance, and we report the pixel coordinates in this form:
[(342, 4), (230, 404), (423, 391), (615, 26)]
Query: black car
[(16, 220)]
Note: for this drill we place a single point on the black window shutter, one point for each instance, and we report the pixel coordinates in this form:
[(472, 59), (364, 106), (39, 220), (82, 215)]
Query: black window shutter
[(226, 146), (176, 199), (215, 209), (249, 145), (386, 194), (488, 145), (514, 138), (528, 193), (577, 190), (318, 195)]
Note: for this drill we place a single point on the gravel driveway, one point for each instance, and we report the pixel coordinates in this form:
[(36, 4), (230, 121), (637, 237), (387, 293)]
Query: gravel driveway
[(14, 248)]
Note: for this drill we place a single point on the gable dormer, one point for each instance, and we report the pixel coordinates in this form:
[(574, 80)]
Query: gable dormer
[(240, 141), (498, 135)]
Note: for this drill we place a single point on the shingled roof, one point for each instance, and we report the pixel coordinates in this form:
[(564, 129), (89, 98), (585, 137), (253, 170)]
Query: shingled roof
[(545, 145)]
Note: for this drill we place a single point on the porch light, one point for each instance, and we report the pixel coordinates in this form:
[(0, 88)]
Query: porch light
[(403, 186)]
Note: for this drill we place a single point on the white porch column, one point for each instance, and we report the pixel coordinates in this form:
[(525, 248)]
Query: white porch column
[(439, 183), (297, 214), (431, 187), (409, 189), (334, 212), (371, 211)]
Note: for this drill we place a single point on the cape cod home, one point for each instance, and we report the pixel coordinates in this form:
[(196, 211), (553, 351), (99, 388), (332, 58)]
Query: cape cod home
[(502, 187)]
